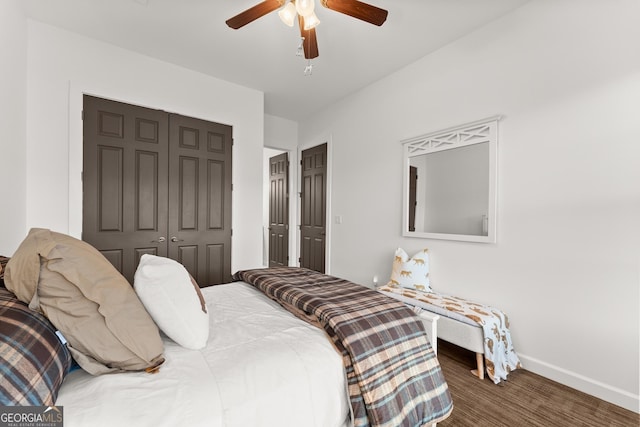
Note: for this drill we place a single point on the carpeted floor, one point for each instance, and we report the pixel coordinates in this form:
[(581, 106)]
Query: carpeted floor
[(526, 399)]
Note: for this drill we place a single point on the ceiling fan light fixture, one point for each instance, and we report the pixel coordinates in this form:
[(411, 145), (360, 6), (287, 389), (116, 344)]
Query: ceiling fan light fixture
[(305, 7), (311, 21), (307, 19), (288, 14)]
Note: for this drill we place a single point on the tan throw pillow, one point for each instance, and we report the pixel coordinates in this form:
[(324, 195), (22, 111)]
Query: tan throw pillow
[(411, 273), (88, 300)]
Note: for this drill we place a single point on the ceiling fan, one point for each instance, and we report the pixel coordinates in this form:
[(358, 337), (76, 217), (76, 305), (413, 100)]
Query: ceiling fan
[(307, 19)]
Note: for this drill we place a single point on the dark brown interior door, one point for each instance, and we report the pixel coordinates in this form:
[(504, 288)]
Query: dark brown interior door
[(413, 186), (279, 210), (313, 208), (200, 197), (157, 183)]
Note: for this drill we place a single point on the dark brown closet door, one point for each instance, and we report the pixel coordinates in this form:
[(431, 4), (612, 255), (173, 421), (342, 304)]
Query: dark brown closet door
[(125, 197), (157, 183), (200, 198), (313, 208), (279, 210)]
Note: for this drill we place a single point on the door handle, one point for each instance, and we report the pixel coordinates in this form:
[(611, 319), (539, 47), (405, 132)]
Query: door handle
[(160, 240), (175, 239)]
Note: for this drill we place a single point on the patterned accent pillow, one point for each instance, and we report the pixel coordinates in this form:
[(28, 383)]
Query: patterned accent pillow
[(411, 273), (33, 361)]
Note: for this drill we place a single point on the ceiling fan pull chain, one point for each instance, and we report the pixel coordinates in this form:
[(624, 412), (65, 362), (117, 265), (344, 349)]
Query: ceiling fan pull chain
[(308, 70)]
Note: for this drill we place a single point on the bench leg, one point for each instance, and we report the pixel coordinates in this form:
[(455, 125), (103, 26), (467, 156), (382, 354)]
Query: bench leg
[(479, 371)]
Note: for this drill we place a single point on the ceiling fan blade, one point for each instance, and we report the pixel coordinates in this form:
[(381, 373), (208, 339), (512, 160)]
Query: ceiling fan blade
[(253, 13), (310, 43), (357, 9)]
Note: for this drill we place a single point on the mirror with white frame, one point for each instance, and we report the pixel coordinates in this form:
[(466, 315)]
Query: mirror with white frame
[(450, 183)]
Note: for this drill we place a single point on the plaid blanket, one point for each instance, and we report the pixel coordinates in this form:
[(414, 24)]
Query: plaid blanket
[(393, 374)]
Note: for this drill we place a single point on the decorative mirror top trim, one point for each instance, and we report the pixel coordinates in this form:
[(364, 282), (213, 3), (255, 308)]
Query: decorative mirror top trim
[(458, 136)]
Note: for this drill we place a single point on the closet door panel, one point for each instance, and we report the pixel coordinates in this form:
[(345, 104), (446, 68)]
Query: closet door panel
[(200, 197), (147, 196), (215, 194), (188, 256), (188, 193), (215, 264), (125, 194), (109, 195)]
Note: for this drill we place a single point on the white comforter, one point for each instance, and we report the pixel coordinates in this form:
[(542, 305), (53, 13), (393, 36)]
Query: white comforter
[(261, 367)]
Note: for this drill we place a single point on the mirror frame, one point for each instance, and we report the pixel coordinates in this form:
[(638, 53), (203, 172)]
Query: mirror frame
[(477, 132)]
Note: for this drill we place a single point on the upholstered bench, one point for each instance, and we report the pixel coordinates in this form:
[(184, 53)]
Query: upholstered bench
[(466, 336), (477, 327)]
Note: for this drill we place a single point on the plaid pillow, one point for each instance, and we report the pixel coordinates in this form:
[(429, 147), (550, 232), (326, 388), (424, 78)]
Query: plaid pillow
[(33, 361), (3, 264)]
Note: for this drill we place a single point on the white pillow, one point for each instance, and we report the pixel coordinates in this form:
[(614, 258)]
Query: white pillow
[(173, 299), (411, 273)]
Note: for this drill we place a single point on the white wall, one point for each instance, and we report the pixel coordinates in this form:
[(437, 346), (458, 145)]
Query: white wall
[(13, 111), (280, 133), (63, 65), (565, 74)]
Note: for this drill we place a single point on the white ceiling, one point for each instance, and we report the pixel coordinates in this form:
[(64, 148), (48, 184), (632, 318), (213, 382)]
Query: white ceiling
[(261, 55)]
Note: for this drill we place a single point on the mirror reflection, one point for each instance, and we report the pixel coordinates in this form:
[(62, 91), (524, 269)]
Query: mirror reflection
[(450, 191)]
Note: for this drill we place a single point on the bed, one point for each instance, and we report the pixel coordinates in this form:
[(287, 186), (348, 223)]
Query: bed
[(261, 367), (285, 347)]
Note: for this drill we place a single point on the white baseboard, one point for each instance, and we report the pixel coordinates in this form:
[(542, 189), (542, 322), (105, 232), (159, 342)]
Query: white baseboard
[(587, 385)]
